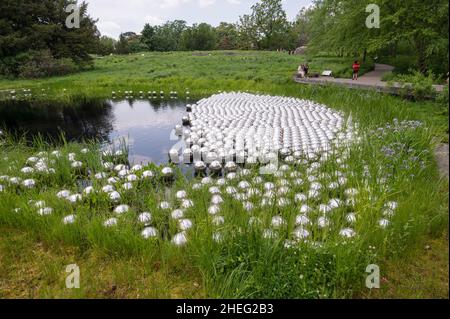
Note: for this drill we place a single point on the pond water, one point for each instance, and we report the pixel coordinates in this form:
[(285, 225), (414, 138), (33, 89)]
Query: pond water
[(145, 125)]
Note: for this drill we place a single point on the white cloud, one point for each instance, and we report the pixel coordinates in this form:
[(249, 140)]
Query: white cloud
[(154, 20), (172, 3), (234, 2), (206, 3), (109, 28)]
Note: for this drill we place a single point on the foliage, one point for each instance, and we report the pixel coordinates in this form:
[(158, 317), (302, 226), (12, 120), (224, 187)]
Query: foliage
[(271, 24), (39, 64), (227, 36), (415, 85), (200, 37), (443, 96), (30, 25), (300, 30), (166, 37), (340, 26), (106, 45)]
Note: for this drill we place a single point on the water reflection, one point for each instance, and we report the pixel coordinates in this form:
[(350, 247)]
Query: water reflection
[(145, 125)]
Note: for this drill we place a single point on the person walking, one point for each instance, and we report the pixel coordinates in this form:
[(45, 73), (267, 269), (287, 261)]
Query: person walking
[(356, 66)]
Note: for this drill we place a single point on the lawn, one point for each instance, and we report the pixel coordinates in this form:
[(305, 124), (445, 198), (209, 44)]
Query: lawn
[(390, 170)]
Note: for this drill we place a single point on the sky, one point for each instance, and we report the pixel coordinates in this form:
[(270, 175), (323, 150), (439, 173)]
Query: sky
[(117, 16)]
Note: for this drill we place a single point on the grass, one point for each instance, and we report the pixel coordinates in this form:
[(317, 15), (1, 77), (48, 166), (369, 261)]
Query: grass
[(31, 268), (392, 162), (422, 274)]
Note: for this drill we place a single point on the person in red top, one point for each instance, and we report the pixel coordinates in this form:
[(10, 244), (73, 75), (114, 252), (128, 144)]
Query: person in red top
[(356, 67)]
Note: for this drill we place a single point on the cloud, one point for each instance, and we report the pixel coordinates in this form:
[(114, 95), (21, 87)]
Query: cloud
[(109, 28), (206, 3), (154, 20), (165, 4), (234, 1)]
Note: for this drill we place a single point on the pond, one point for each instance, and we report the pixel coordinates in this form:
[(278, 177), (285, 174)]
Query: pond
[(145, 125)]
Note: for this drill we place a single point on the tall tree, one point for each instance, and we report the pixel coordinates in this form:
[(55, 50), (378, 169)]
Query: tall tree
[(271, 24), (122, 46), (248, 34), (147, 35), (106, 45), (166, 37), (227, 36), (29, 25), (200, 37), (423, 23), (301, 28)]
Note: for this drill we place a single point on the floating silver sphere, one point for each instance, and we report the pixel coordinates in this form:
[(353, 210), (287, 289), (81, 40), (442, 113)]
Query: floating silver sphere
[(167, 173), (200, 167), (230, 167), (174, 156), (185, 120), (215, 167)]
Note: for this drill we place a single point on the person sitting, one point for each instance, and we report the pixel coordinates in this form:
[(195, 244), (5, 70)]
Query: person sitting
[(306, 69), (301, 71)]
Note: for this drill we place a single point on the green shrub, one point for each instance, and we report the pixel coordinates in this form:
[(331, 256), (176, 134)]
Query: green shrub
[(388, 77), (416, 85), (9, 65), (443, 96), (403, 64), (39, 64)]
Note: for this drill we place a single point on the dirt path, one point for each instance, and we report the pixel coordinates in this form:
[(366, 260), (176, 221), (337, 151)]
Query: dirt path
[(442, 157), (370, 80)]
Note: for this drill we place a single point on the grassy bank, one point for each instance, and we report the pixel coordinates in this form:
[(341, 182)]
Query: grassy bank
[(391, 167)]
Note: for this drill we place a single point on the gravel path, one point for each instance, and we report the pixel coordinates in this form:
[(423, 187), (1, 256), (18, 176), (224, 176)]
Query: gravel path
[(371, 80), (442, 157)]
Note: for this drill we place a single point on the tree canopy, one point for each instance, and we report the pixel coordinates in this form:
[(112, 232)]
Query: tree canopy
[(28, 28), (420, 25)]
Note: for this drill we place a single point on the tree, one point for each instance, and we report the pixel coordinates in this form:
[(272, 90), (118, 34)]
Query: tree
[(423, 23), (266, 27), (248, 35), (341, 26), (200, 37), (28, 26), (271, 24), (106, 45), (166, 37), (300, 29), (123, 47), (227, 36), (147, 36)]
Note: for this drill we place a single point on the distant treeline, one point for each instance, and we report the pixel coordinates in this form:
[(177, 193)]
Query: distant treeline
[(266, 28)]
